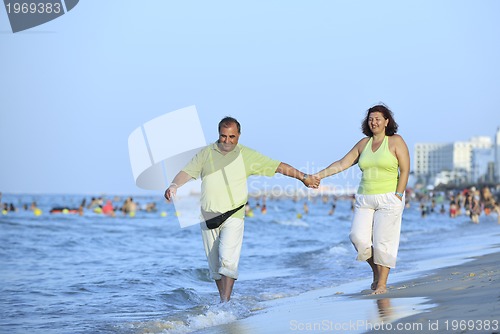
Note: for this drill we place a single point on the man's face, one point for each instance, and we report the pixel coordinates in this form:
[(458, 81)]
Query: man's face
[(228, 138)]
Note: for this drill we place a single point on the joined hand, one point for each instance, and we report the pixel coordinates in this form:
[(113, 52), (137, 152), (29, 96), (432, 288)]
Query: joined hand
[(312, 181)]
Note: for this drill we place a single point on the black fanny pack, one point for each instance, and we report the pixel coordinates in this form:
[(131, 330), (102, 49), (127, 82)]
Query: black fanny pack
[(215, 219)]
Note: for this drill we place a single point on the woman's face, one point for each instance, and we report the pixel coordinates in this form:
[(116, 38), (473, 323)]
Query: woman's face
[(377, 122)]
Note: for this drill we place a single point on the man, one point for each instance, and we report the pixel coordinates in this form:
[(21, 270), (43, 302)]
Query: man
[(224, 168)]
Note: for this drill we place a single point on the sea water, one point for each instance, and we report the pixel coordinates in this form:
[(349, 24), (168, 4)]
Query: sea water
[(66, 273)]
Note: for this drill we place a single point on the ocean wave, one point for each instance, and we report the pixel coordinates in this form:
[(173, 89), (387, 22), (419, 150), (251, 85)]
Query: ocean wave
[(181, 297), (195, 319), (191, 274), (291, 222), (338, 250)]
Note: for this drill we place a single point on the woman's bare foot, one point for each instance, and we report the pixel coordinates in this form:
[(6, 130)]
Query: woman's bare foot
[(380, 290), (374, 285)]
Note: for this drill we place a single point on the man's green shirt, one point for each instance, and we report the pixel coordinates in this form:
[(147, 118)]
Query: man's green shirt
[(224, 177)]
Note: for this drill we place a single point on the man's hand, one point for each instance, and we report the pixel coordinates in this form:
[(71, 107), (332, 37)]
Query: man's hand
[(171, 192), (180, 179), (311, 181)]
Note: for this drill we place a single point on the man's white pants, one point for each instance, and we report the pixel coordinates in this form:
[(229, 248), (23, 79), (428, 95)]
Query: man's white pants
[(223, 247)]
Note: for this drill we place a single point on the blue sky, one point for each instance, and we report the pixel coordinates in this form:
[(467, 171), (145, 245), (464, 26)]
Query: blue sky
[(299, 76)]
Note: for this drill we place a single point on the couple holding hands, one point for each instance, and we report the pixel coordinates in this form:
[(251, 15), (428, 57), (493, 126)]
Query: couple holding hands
[(225, 165)]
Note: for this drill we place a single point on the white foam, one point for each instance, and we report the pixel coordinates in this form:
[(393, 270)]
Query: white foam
[(295, 222), (211, 318), (338, 250), (213, 315)]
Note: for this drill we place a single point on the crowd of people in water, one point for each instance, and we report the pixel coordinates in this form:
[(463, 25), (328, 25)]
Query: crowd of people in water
[(470, 202), (97, 205)]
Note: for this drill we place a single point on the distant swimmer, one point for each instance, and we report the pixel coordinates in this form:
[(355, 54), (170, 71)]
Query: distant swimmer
[(108, 209), (497, 210), (332, 209), (306, 208), (64, 210), (248, 210), (453, 207), (67, 210), (475, 210), (129, 207)]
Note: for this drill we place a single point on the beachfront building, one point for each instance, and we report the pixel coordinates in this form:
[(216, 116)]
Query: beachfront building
[(483, 163), (430, 159), (454, 163), (496, 148)]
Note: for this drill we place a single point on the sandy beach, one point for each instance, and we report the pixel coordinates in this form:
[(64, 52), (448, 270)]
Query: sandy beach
[(464, 298), (461, 298)]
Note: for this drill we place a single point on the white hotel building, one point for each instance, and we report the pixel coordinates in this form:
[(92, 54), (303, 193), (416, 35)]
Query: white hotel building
[(476, 160)]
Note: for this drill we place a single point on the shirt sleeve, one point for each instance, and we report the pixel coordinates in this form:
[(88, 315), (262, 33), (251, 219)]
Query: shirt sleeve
[(195, 166), (259, 164)]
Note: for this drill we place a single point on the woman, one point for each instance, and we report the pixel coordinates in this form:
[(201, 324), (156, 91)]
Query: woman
[(384, 161)]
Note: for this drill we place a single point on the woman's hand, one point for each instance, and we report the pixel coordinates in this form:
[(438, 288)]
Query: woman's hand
[(311, 181)]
